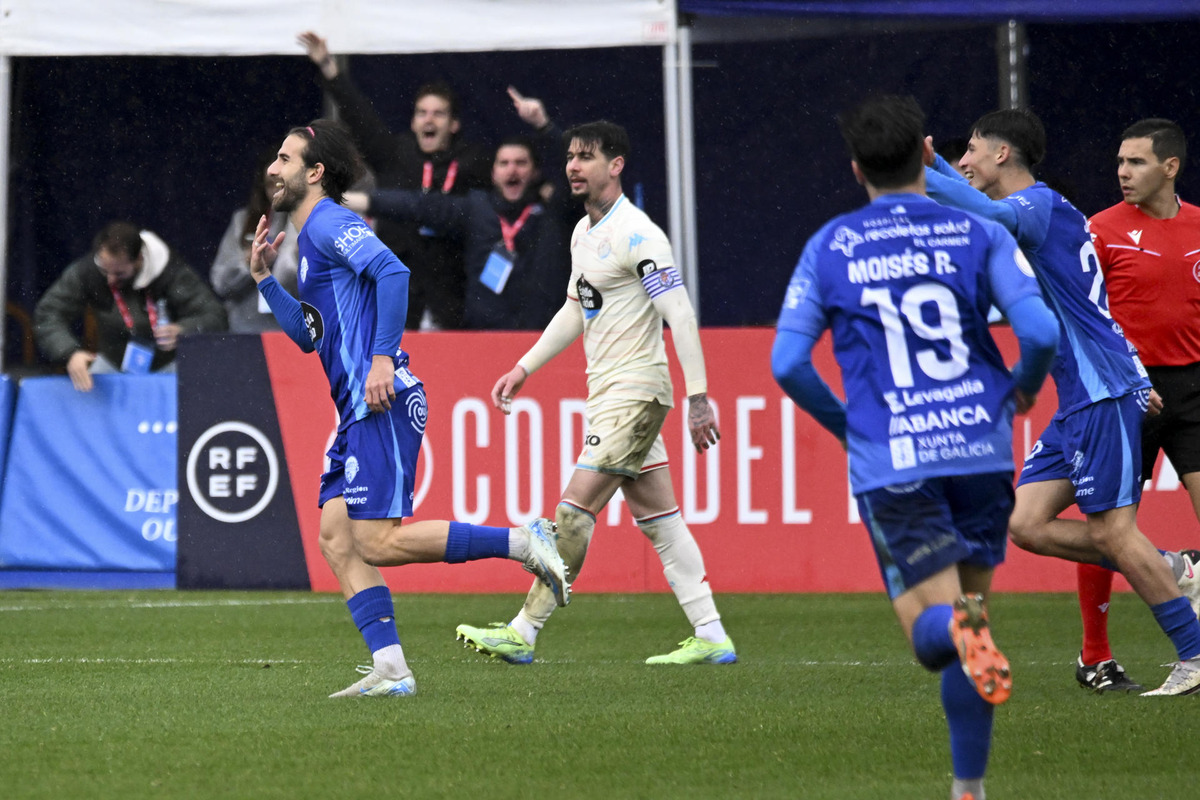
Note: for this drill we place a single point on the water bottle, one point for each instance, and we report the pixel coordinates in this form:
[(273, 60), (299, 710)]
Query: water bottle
[(160, 308)]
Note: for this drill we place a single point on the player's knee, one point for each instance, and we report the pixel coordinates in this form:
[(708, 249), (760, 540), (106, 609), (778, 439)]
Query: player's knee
[(374, 544), (1026, 532), (575, 527), (336, 545)]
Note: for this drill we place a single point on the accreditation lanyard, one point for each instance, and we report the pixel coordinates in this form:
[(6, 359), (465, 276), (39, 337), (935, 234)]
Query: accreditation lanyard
[(427, 177), (151, 311), (509, 230)]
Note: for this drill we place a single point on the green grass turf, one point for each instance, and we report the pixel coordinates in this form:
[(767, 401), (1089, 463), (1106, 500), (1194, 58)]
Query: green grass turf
[(222, 694)]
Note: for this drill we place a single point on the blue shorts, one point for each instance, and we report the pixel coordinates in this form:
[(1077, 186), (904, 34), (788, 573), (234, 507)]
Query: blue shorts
[(373, 463), (1098, 449), (918, 529)]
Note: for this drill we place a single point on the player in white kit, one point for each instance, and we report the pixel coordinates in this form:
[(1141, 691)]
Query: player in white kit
[(624, 284)]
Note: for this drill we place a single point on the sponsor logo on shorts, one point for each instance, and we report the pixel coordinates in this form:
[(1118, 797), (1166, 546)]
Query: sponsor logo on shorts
[(418, 411)]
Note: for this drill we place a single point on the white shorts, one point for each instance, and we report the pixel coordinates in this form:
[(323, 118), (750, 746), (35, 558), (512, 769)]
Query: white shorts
[(624, 438)]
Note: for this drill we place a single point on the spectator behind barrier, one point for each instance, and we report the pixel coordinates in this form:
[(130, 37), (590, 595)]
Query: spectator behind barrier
[(143, 297), (430, 157), (516, 237), (230, 273)]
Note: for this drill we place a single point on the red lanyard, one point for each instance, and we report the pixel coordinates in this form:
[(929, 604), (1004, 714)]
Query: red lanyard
[(151, 311), (427, 177), (509, 230)]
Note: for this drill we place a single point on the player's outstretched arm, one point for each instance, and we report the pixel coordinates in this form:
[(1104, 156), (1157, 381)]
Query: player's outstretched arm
[(564, 328)]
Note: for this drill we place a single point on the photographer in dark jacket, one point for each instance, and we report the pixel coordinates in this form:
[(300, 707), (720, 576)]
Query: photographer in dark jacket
[(516, 236), (143, 298), (429, 158)]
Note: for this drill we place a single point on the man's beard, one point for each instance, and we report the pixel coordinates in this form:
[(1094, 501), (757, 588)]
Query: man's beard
[(289, 199)]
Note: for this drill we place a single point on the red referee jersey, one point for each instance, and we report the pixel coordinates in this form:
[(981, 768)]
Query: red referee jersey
[(1152, 269)]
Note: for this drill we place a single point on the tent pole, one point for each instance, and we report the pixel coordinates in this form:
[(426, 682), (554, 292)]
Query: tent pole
[(687, 168), (671, 130), (5, 125), (1012, 50)]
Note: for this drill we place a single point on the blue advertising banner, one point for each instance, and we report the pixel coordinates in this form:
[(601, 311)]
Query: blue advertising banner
[(7, 394), (91, 483)]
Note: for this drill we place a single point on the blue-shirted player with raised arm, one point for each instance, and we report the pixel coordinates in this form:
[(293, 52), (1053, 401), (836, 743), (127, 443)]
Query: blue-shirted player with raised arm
[(353, 300), (1090, 453), (905, 285)]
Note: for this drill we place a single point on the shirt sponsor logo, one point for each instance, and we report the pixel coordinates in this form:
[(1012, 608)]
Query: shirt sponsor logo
[(590, 299), (899, 402), (351, 237), (846, 240), (925, 422)]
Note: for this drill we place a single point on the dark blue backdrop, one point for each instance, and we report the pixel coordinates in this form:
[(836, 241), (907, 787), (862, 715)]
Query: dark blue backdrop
[(169, 142)]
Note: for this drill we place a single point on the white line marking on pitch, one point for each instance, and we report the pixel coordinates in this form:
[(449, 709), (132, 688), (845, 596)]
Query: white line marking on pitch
[(69, 604)]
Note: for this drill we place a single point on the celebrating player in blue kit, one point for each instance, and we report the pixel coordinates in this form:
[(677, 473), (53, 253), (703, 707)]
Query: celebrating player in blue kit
[(1090, 453), (905, 286), (353, 300)]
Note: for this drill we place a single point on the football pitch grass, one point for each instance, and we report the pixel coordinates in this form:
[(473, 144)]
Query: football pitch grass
[(224, 695)]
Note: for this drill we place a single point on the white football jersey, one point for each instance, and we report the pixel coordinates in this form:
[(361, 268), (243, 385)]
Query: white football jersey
[(622, 331)]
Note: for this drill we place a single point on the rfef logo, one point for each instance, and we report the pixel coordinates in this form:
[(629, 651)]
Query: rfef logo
[(232, 472)]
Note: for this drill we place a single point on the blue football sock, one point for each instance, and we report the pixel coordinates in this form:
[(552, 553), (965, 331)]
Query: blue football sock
[(373, 613), (970, 719), (931, 638), (1178, 622), (468, 542)]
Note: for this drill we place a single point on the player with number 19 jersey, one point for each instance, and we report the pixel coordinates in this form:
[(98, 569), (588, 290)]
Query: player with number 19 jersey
[(336, 246), (908, 283)]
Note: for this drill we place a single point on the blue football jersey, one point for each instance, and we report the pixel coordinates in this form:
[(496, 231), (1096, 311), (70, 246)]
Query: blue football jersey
[(1094, 361), (338, 299), (904, 285)]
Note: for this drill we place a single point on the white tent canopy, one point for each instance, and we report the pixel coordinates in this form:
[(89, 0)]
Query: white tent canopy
[(269, 27)]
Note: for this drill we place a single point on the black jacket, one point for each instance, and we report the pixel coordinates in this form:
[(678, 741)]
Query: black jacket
[(437, 281)]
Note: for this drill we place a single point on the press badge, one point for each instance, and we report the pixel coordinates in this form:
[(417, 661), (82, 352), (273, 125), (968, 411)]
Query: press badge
[(137, 358), (497, 270)]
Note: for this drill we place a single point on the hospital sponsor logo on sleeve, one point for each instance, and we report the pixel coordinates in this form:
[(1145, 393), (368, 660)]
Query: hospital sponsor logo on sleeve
[(232, 472)]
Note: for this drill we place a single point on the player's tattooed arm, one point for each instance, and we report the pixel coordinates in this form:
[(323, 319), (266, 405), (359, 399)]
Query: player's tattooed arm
[(702, 422)]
